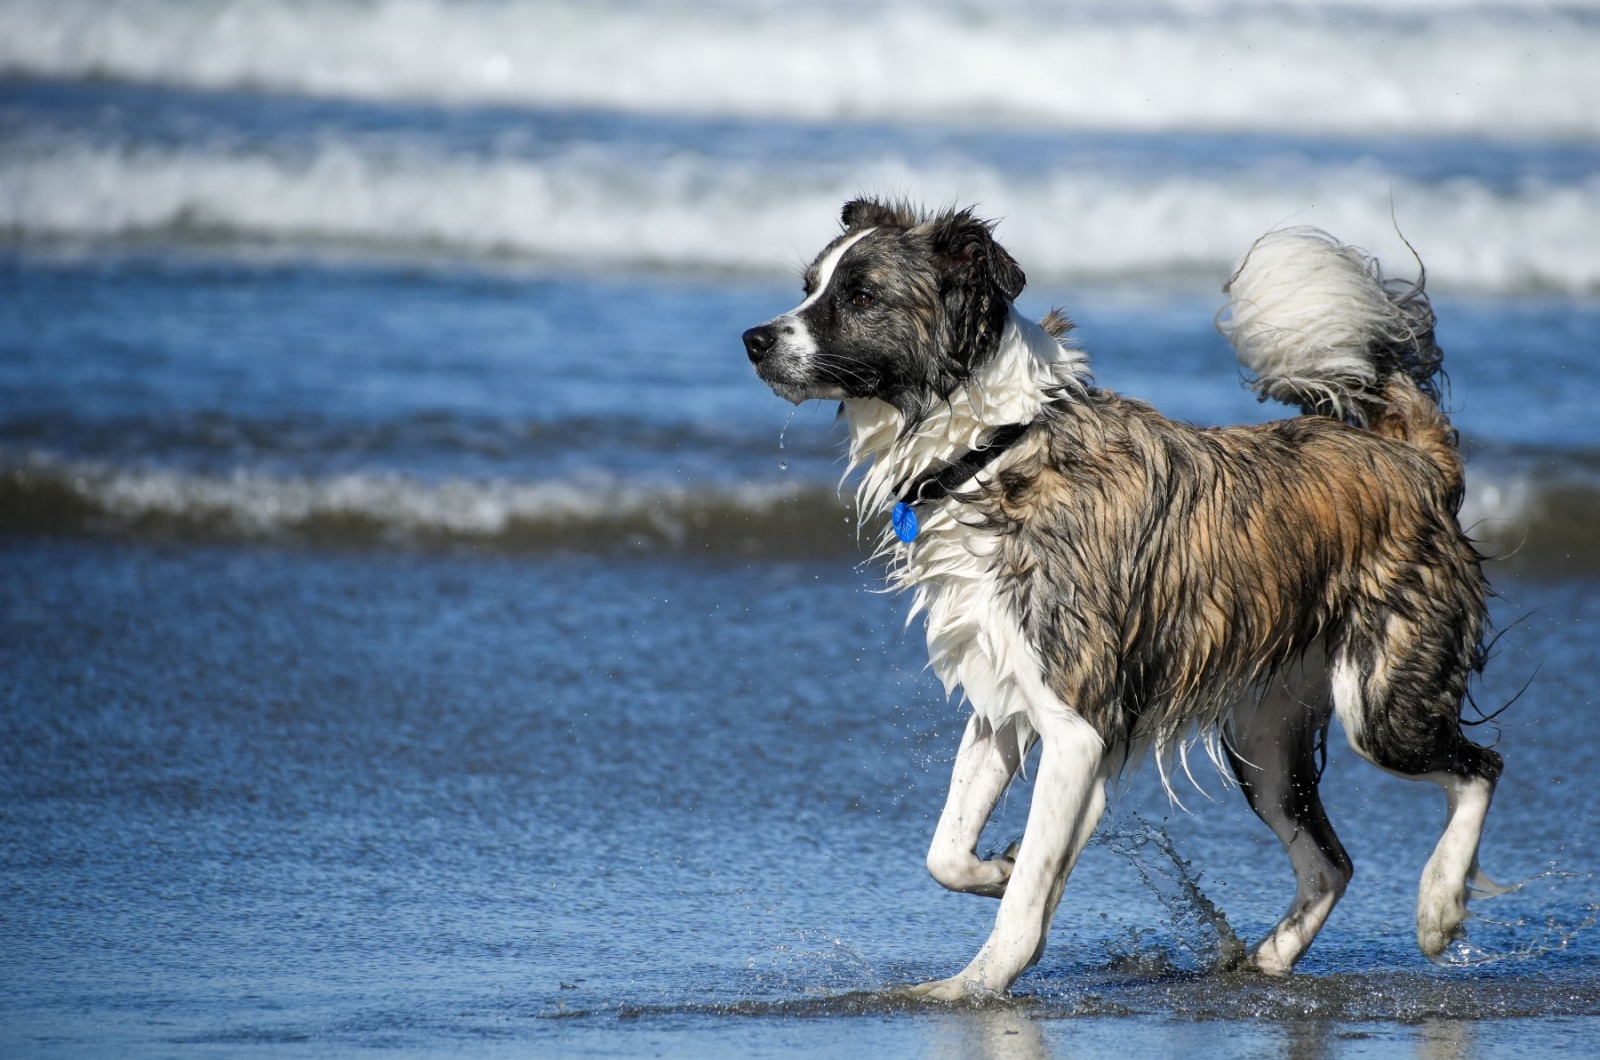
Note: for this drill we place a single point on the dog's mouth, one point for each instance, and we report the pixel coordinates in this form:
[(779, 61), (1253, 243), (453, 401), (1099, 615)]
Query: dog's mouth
[(787, 370), (794, 395), (797, 391)]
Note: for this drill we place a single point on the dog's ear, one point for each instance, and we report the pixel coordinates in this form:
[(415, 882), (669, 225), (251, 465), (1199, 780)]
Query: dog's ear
[(979, 284), (870, 213), (973, 257)]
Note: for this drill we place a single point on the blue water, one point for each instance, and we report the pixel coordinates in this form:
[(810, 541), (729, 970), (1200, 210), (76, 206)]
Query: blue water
[(420, 631), (327, 802)]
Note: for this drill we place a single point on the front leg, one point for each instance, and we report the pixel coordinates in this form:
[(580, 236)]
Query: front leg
[(1068, 799), (983, 768)]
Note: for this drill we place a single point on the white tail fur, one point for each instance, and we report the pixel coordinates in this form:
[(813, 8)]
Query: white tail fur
[(1316, 324)]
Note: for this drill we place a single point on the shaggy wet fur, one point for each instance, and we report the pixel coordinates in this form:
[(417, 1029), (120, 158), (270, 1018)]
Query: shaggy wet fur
[(1117, 580), (1161, 570)]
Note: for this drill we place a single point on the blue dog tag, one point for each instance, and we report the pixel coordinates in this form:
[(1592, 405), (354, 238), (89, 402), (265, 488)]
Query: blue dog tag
[(904, 518)]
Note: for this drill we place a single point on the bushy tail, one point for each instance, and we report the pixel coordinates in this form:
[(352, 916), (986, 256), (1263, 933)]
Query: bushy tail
[(1317, 326)]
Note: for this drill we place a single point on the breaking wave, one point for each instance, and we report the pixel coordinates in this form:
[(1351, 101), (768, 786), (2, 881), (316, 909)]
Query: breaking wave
[(594, 205), (367, 510), (1481, 69), (1540, 522)]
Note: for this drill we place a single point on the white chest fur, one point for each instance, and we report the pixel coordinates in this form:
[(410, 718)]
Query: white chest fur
[(974, 640)]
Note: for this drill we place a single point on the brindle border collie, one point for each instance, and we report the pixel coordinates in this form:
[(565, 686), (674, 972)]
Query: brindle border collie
[(1104, 580)]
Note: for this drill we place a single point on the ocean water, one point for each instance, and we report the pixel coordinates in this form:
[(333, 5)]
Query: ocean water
[(420, 631)]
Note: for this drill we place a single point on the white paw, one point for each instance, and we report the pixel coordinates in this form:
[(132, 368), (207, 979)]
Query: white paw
[(955, 988), (1287, 943), (999, 869), (1267, 959), (1440, 921)]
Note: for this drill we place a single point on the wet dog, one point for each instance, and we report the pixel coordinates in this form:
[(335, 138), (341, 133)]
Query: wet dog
[(1104, 580)]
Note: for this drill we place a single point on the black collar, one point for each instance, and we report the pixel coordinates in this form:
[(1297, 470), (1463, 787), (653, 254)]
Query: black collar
[(936, 484)]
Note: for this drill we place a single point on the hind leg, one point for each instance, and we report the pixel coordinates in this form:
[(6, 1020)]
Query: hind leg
[(1398, 693), (1271, 745), (1453, 869)]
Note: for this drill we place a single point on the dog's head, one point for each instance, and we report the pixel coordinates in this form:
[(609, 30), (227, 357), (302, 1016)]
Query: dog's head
[(901, 307)]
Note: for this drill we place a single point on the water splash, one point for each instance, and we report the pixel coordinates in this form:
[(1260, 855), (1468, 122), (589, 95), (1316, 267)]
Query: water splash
[(1204, 939), (813, 962), (1534, 922)]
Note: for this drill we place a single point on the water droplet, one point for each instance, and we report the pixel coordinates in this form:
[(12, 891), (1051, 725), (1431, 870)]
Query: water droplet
[(783, 465)]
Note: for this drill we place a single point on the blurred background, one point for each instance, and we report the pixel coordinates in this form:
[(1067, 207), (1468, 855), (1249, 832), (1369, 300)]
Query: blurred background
[(419, 629), (473, 271)]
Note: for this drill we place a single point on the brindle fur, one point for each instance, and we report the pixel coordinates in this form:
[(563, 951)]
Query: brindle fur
[(1161, 570), (1171, 579)]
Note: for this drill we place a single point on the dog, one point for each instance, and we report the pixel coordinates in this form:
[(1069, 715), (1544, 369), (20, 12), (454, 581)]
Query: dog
[(1106, 581)]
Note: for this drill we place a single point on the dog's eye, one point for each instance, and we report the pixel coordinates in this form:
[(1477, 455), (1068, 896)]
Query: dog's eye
[(861, 299)]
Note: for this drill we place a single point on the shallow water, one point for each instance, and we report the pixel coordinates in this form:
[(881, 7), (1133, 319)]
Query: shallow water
[(321, 802)]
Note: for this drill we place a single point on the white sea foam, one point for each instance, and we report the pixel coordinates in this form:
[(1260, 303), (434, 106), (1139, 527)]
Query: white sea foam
[(692, 211), (595, 512), (1424, 66)]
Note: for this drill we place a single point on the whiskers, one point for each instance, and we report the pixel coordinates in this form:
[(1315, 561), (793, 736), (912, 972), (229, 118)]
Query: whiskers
[(843, 365)]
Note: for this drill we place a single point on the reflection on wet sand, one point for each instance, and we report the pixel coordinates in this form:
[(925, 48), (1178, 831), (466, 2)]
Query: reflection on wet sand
[(1445, 1040), (1308, 1040), (988, 1034), (1025, 1033)]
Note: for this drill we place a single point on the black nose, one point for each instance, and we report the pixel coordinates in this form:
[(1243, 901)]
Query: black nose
[(758, 342)]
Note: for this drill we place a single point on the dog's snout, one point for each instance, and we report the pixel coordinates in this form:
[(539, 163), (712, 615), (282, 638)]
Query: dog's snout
[(758, 342)]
